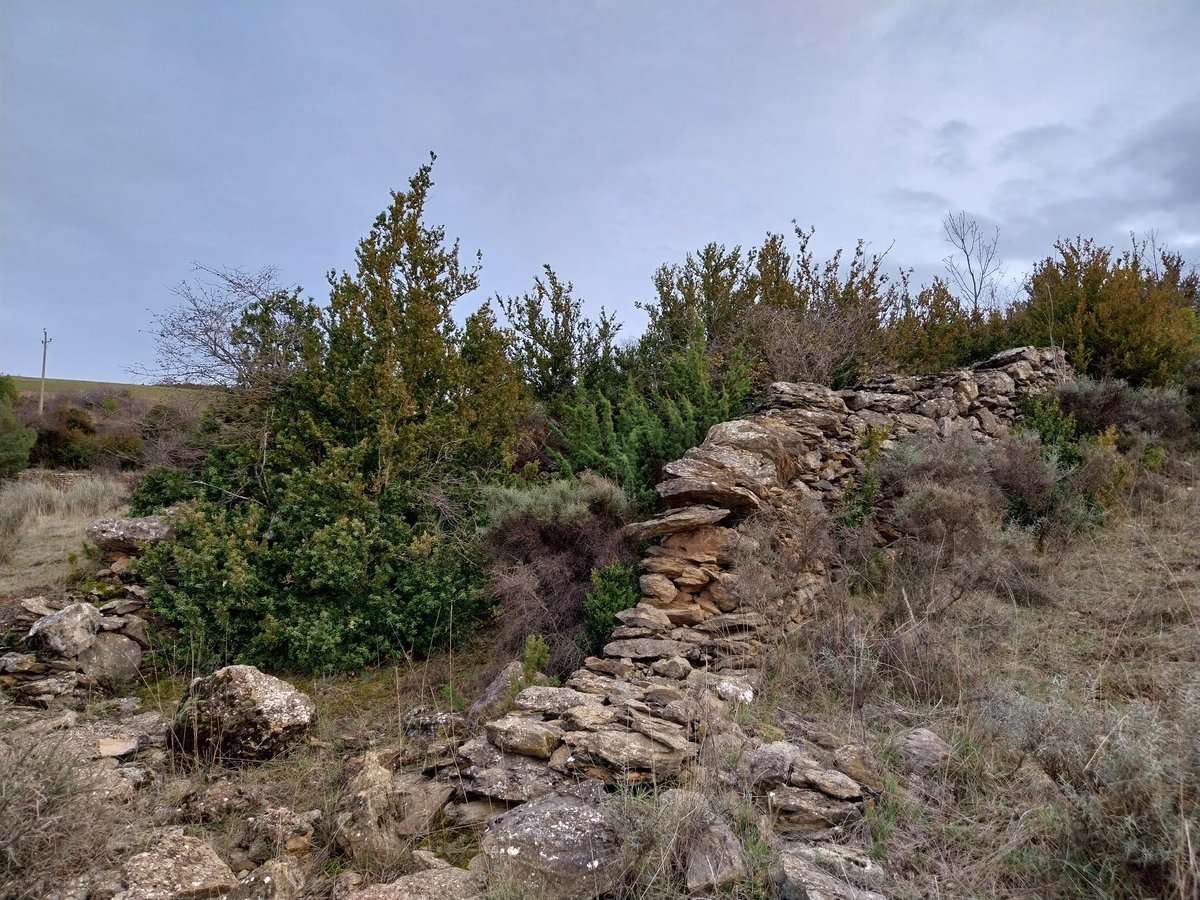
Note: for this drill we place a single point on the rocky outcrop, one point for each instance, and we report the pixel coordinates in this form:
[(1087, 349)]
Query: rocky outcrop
[(239, 714), (129, 536)]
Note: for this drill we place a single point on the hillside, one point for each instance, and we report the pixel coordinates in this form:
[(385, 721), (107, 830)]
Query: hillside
[(846, 677)]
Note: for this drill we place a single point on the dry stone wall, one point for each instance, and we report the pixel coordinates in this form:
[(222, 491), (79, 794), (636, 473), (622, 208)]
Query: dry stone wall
[(691, 648), (661, 694)]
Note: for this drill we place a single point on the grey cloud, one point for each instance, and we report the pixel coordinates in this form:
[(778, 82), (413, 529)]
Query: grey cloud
[(920, 202), (1034, 142), (950, 145)]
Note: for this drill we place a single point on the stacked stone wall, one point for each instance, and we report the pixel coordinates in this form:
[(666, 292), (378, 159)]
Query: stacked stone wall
[(691, 649)]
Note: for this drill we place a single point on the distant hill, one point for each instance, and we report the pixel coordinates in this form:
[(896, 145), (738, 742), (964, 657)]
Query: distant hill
[(29, 387)]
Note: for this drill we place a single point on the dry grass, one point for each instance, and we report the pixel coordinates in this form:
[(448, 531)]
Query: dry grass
[(1076, 771), (42, 525)]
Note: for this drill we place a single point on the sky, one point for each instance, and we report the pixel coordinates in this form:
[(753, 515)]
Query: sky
[(139, 138)]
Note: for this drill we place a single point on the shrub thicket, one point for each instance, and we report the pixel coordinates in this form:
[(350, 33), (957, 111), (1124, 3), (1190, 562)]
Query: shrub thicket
[(15, 439)]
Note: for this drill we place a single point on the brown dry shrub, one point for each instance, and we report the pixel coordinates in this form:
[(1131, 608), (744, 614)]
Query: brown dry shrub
[(777, 546), (1097, 404), (54, 823), (545, 547)]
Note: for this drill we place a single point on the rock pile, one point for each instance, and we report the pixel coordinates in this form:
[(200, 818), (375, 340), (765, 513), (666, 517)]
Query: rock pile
[(85, 644), (73, 646)]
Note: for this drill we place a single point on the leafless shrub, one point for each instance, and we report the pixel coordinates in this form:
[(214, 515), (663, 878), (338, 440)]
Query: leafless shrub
[(778, 546), (546, 541), (1130, 776), (54, 822)]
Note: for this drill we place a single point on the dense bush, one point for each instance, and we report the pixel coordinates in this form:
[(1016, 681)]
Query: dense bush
[(630, 439), (614, 588), (328, 528), (15, 439), (1131, 316), (328, 582)]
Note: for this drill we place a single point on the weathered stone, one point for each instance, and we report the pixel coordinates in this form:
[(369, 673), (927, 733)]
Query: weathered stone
[(676, 520), (859, 764), (241, 714), (733, 623), (626, 750), (473, 813), (716, 859), (710, 544), (799, 811), (590, 716), (557, 848), (646, 648), (67, 632), (524, 735), (805, 872), (804, 395), (129, 535), (689, 613), (645, 616), (768, 766), (279, 831), (214, 801), (432, 884), (496, 696), (832, 783), (112, 659), (380, 810), (657, 587), (551, 700), (25, 664), (275, 879), (614, 689), (488, 772), (116, 747), (178, 866), (921, 749), (672, 667)]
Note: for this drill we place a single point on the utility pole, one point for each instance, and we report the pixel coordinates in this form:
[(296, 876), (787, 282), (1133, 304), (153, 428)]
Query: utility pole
[(42, 396)]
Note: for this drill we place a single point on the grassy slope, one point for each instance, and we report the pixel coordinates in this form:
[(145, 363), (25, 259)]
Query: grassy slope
[(30, 387), (1121, 636)]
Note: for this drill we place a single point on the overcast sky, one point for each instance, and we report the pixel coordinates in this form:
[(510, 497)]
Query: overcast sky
[(604, 138)]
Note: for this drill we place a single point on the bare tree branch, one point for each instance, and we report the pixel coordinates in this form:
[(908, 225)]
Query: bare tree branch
[(974, 267), (196, 337)]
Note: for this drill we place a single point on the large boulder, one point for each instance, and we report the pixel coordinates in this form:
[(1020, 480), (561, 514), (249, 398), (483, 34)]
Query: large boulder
[(128, 535), (559, 847), (239, 714), (67, 632)]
